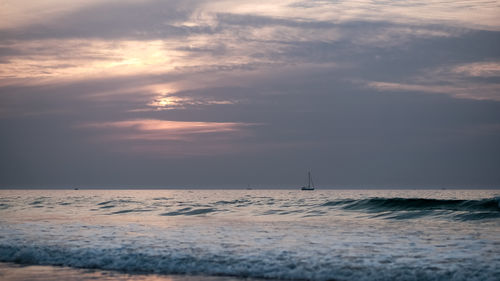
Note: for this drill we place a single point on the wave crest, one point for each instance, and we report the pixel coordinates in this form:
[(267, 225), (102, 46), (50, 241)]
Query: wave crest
[(407, 208)]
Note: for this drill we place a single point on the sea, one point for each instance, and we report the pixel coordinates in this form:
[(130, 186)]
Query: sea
[(250, 235)]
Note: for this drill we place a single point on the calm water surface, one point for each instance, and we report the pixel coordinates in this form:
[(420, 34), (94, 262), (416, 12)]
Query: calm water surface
[(271, 234)]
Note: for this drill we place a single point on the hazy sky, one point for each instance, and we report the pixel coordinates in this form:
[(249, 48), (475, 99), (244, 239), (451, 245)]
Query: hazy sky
[(236, 93)]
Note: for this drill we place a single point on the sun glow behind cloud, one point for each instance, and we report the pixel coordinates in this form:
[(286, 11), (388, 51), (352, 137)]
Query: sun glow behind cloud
[(166, 102), (52, 61)]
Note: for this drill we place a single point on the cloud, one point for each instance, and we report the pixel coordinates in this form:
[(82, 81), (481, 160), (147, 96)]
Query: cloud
[(171, 138), (112, 19), (56, 61), (479, 69), (150, 38), (166, 102), (25, 12), (164, 129), (473, 14), (153, 20), (468, 91), (458, 80)]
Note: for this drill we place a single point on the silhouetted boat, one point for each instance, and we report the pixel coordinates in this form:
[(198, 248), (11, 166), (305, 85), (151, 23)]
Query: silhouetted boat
[(310, 183)]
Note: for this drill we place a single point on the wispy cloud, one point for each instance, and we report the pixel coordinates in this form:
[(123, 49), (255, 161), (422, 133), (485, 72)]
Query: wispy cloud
[(56, 61), (149, 129), (460, 81), (171, 138), (468, 91), (479, 69), (166, 102)]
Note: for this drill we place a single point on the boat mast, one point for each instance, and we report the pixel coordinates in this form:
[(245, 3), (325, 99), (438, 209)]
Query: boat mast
[(309, 182)]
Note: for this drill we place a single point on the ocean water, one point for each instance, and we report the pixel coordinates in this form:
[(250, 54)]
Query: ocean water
[(268, 234)]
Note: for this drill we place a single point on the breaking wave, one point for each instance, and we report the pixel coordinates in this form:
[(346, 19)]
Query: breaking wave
[(383, 204), (407, 208)]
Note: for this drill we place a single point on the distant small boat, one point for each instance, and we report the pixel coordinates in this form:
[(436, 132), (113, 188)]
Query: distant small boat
[(310, 183)]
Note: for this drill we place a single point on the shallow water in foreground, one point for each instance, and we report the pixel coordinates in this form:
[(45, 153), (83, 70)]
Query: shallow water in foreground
[(271, 234), (15, 272)]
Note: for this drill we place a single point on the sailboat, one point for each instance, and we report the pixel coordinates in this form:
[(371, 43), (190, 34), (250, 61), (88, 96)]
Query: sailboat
[(310, 183)]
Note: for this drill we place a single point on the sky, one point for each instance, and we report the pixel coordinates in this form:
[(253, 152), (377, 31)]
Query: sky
[(193, 94)]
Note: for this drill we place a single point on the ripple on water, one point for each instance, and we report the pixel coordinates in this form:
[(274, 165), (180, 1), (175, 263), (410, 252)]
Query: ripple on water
[(189, 212)]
